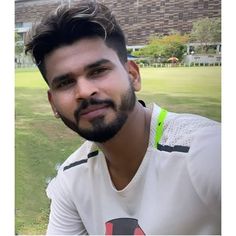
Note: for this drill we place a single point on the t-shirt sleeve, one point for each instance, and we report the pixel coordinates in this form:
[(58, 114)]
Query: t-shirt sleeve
[(204, 166), (64, 219)]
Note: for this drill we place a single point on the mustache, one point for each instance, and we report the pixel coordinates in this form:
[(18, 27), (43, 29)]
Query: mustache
[(92, 101)]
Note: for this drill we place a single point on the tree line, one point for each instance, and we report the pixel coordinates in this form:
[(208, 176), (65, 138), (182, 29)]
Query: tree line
[(160, 48)]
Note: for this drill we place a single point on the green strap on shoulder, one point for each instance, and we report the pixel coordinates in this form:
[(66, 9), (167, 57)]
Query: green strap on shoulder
[(160, 124)]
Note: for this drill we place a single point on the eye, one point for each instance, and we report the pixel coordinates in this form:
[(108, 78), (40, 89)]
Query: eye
[(98, 72), (65, 83)]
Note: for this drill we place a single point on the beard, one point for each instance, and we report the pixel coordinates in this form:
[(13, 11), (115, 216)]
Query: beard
[(102, 131)]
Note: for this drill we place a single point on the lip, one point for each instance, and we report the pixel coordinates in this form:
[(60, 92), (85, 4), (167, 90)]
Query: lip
[(93, 111)]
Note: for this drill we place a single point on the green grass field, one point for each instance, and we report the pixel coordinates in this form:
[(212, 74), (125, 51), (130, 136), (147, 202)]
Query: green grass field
[(42, 141)]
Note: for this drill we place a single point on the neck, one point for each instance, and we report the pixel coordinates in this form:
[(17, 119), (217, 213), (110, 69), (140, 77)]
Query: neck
[(124, 153)]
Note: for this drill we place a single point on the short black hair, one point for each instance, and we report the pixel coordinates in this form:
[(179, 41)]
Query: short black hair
[(68, 24)]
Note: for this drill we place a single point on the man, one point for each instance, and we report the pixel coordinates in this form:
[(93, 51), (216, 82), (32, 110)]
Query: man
[(142, 170)]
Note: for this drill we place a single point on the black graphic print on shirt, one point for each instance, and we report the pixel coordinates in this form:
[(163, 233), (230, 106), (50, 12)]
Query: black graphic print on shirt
[(125, 226)]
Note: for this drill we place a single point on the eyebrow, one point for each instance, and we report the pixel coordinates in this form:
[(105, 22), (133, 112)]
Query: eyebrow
[(97, 64), (88, 67)]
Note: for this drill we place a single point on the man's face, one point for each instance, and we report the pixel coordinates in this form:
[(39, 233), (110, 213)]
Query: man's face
[(90, 89)]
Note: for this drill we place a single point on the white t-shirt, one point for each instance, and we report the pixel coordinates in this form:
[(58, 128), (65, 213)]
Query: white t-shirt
[(176, 189)]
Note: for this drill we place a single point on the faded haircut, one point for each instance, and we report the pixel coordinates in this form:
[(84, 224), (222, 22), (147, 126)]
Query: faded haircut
[(68, 24)]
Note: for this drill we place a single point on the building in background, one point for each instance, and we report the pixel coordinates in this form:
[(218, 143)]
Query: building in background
[(138, 18)]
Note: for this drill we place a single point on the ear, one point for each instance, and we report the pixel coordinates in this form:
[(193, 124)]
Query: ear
[(134, 75), (50, 99)]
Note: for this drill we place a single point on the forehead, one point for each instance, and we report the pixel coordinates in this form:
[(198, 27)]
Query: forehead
[(76, 56)]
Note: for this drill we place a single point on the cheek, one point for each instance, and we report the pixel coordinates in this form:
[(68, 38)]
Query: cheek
[(115, 85), (64, 105)]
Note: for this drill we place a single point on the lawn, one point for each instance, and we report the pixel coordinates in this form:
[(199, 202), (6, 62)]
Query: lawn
[(42, 142), (187, 89)]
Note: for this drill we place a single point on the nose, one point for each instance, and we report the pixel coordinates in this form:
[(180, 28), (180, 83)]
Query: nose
[(84, 89)]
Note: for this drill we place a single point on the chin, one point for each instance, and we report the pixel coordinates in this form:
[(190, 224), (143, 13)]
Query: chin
[(102, 131)]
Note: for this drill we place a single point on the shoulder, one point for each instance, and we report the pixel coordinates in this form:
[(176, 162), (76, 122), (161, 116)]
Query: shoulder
[(68, 171), (204, 166), (80, 156), (201, 138), (182, 129)]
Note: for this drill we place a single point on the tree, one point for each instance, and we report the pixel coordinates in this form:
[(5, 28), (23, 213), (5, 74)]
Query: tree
[(206, 31), (216, 30), (19, 44), (165, 47)]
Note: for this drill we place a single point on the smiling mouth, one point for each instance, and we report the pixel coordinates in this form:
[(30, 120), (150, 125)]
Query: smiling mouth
[(93, 111)]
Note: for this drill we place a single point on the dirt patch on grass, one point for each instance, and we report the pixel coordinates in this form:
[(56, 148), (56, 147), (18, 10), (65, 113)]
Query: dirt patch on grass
[(54, 130)]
